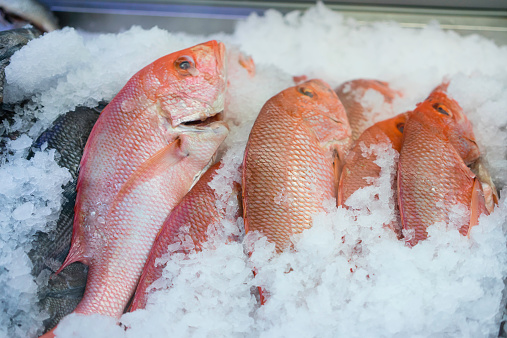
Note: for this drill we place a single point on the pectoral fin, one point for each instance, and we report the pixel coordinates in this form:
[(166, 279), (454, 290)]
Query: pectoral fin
[(477, 207), (159, 162)]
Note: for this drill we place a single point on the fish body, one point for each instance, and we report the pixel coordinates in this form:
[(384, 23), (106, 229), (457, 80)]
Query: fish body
[(190, 219), (62, 293), (360, 112), (68, 135), (138, 163), (433, 177), (360, 168), (288, 164)]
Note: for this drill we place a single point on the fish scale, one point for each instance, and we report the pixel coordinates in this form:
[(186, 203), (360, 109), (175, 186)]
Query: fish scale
[(360, 116), (147, 199), (433, 185), (137, 165), (62, 293), (189, 219), (359, 168), (287, 169), (433, 177)]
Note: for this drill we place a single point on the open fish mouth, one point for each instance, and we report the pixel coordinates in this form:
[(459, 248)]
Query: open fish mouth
[(197, 125)]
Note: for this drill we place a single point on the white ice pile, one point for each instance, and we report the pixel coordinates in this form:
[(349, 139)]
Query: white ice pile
[(348, 275)]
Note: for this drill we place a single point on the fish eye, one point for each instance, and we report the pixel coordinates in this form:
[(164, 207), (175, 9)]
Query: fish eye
[(400, 126), (306, 91), (441, 109), (184, 65)]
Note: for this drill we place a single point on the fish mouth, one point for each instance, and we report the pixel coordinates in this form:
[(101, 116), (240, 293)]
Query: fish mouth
[(197, 125)]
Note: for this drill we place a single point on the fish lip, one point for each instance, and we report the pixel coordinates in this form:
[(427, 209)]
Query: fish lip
[(210, 110), (204, 125)]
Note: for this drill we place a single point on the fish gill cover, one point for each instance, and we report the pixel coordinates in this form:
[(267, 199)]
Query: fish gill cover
[(347, 276)]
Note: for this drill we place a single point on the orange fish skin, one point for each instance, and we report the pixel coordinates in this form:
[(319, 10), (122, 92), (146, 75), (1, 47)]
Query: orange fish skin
[(358, 167), (247, 62), (433, 176), (288, 163), (351, 93), (191, 217), (140, 160)]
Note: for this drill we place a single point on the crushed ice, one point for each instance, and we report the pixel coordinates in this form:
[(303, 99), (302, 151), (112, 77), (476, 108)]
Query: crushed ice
[(346, 276)]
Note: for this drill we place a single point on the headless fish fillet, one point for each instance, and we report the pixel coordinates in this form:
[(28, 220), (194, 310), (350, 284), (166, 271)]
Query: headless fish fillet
[(438, 144), (189, 219), (138, 163), (361, 112)]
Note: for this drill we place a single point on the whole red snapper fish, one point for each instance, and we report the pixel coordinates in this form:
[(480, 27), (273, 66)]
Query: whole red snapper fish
[(288, 165), (189, 219), (140, 160), (359, 113), (359, 169), (438, 144)]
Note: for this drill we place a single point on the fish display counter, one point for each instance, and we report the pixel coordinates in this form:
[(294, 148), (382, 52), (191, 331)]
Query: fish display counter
[(253, 168)]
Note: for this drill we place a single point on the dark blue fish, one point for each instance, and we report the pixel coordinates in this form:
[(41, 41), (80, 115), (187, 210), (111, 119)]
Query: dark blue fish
[(61, 294)]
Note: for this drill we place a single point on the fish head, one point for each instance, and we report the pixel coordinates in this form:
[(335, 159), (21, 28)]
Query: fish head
[(191, 83), (393, 129), (445, 115), (318, 106)]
